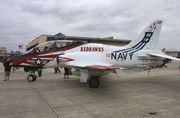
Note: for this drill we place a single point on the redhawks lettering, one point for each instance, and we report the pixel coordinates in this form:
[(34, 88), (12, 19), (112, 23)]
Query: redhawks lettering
[(92, 49)]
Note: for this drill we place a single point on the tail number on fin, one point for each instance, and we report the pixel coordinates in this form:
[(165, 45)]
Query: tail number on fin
[(159, 22)]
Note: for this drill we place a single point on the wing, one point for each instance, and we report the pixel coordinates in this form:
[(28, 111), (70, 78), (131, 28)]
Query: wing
[(163, 56), (87, 65), (97, 66), (101, 67), (97, 69)]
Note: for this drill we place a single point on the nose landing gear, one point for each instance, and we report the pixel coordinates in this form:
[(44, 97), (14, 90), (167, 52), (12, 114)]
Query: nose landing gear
[(31, 77)]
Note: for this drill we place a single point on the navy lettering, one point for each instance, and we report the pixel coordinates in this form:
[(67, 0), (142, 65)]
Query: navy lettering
[(121, 56)]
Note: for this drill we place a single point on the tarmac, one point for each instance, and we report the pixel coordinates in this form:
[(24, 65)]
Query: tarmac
[(120, 96)]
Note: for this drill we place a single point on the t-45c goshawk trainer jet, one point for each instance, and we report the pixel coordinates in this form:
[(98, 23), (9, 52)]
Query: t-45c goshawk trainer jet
[(91, 60)]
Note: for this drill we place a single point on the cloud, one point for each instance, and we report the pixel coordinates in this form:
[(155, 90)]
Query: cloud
[(23, 21)]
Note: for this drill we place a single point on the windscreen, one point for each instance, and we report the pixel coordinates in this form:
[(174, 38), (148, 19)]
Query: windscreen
[(50, 45)]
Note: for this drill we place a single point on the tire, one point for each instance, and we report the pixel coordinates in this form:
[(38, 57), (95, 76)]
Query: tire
[(31, 78), (94, 82)]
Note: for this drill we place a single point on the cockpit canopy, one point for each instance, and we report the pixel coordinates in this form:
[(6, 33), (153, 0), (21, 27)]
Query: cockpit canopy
[(50, 45)]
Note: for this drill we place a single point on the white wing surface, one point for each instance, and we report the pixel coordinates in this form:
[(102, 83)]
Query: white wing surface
[(163, 56)]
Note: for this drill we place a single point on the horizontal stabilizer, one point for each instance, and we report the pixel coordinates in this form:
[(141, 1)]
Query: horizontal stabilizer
[(163, 56)]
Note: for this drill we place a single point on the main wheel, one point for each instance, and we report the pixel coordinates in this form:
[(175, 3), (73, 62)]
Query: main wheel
[(31, 78), (94, 82)]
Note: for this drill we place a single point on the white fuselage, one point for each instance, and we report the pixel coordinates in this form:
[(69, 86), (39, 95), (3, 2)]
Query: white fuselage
[(100, 54)]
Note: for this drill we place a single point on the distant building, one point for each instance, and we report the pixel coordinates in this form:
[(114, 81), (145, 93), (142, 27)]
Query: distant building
[(3, 53), (172, 53), (60, 36)]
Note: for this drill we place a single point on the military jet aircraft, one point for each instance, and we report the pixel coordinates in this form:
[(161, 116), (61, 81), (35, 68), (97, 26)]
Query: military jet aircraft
[(91, 61)]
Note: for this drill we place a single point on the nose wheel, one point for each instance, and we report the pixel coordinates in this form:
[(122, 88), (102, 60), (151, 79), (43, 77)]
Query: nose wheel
[(31, 77)]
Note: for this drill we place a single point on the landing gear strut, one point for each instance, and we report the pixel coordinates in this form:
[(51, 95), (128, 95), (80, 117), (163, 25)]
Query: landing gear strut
[(31, 77), (94, 82)]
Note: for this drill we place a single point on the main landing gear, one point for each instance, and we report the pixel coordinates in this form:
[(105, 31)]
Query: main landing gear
[(94, 82), (31, 77)]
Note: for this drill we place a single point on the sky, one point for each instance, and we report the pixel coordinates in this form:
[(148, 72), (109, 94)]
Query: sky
[(21, 21)]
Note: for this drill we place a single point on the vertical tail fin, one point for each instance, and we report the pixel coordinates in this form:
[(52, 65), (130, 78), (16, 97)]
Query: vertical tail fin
[(147, 39)]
